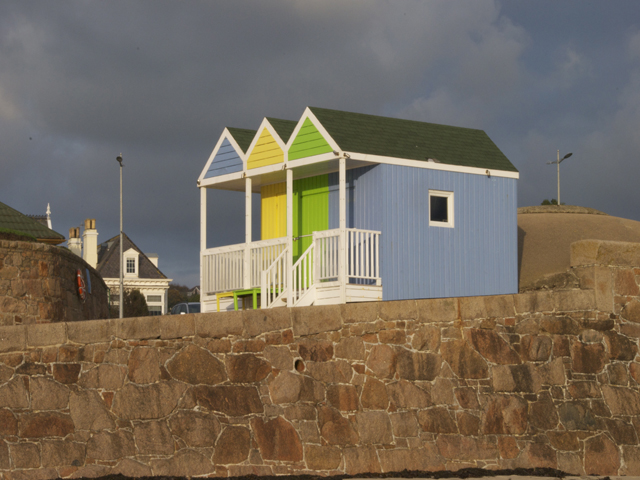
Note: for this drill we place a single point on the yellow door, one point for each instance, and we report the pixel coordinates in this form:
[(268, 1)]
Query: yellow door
[(274, 211)]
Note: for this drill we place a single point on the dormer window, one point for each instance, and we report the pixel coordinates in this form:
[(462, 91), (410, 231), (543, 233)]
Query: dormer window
[(131, 265)]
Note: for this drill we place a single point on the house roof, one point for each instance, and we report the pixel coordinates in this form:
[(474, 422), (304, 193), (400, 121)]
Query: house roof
[(41, 219), (12, 219), (284, 127), (394, 137), (109, 264), (242, 136)]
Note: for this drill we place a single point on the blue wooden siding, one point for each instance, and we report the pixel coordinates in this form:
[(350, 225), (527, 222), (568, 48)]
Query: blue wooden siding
[(226, 161), (477, 257)]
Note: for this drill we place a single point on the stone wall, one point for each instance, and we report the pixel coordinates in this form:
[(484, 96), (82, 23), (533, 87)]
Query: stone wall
[(38, 284), (542, 379)]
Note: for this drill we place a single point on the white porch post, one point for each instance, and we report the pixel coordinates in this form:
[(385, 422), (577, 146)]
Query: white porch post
[(289, 236), (247, 234), (342, 255), (203, 239)]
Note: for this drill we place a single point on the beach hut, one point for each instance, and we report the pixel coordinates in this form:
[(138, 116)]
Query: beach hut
[(359, 207)]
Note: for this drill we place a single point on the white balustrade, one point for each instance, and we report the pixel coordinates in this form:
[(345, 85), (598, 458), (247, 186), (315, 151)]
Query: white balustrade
[(363, 251), (223, 267), (274, 281), (302, 274)]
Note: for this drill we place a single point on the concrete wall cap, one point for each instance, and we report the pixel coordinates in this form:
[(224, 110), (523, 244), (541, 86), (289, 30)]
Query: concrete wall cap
[(40, 335)]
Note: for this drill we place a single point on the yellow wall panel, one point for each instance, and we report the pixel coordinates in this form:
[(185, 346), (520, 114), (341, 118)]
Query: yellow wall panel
[(266, 152), (274, 211)]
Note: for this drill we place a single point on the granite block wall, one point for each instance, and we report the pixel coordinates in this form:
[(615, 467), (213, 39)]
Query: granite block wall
[(38, 284), (542, 379)]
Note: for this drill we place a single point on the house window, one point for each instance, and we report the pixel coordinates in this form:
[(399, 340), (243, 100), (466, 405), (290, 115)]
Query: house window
[(155, 310), (131, 265), (440, 208), (154, 298)]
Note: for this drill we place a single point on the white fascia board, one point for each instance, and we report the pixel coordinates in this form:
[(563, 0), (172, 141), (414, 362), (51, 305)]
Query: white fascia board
[(301, 162), (431, 165), (254, 172), (158, 283), (211, 182), (225, 135)]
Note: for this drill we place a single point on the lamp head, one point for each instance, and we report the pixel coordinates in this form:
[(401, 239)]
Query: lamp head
[(119, 158)]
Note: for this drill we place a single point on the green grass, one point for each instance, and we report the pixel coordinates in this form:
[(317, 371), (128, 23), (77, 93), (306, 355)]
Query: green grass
[(8, 234)]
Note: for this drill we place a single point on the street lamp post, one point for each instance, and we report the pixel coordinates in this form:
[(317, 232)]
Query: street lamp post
[(558, 163), (119, 158)]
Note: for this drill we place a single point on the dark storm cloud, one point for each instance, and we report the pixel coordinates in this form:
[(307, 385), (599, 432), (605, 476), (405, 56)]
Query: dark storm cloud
[(82, 81)]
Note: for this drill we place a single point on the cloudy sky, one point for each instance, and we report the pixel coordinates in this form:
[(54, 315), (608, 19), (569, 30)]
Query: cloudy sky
[(82, 81)]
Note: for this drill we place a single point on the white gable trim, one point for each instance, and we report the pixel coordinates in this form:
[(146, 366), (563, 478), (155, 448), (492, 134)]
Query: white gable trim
[(265, 124), (316, 123), (225, 135)]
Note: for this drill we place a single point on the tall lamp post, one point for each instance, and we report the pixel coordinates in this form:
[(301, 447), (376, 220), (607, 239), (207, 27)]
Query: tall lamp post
[(558, 163), (119, 158)]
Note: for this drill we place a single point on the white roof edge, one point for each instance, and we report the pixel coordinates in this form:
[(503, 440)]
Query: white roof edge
[(432, 165)]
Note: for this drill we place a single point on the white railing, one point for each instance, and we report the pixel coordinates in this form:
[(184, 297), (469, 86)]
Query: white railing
[(302, 274), (363, 262), (263, 254), (363, 254), (223, 268), (274, 280), (326, 256)]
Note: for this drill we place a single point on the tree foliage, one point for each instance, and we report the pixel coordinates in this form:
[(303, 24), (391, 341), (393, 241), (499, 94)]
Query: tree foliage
[(135, 305), (180, 294), (553, 201)]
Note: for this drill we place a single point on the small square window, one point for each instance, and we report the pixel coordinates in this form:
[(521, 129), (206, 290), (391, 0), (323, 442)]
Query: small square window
[(131, 265), (440, 208)]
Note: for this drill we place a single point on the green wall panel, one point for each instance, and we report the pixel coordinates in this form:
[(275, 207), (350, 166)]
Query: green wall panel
[(308, 142), (310, 210)]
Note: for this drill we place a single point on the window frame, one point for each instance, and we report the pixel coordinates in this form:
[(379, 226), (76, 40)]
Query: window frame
[(450, 208), (130, 261)]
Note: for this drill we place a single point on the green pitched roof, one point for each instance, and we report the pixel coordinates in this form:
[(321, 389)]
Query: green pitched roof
[(394, 137), (284, 127), (14, 220), (242, 136)]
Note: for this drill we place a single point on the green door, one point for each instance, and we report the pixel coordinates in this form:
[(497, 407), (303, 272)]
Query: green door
[(310, 210)]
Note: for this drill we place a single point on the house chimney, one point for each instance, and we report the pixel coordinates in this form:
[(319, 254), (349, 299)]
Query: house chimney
[(90, 240), (74, 243), (153, 257)]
